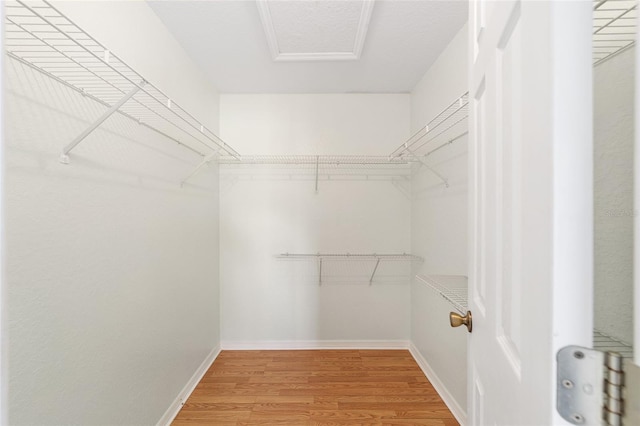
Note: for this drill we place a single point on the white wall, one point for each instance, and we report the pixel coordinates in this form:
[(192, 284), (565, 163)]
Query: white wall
[(112, 268), (267, 211), (439, 225), (613, 194), (131, 30)]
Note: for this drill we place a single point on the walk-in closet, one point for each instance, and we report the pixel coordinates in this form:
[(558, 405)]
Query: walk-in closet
[(317, 212)]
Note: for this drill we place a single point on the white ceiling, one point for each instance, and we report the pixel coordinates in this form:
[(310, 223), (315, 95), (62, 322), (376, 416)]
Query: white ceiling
[(305, 46)]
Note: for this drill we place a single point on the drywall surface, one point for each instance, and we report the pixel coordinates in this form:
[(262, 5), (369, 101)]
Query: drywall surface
[(112, 268), (266, 211), (439, 220), (131, 30), (613, 194)]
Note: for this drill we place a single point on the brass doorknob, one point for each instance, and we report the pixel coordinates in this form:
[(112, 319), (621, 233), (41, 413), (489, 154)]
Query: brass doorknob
[(457, 320)]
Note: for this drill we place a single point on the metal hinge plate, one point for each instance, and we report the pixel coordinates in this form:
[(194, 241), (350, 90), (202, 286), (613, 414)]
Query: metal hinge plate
[(594, 388), (580, 394)]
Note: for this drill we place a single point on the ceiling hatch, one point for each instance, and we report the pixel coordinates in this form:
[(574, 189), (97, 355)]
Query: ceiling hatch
[(324, 30)]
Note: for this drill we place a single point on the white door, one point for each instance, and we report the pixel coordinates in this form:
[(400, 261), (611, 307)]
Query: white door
[(531, 220), (636, 244)]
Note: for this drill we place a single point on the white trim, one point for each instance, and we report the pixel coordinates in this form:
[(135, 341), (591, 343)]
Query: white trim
[(184, 394), (278, 56), (314, 344), (316, 56), (455, 408), (363, 27), (269, 31)]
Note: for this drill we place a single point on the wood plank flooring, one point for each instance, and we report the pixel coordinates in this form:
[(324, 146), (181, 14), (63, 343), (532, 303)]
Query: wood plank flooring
[(315, 387)]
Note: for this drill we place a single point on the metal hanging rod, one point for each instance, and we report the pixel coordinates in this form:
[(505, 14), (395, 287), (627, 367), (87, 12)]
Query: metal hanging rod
[(452, 288), (40, 36), (321, 257), (449, 142), (614, 28)]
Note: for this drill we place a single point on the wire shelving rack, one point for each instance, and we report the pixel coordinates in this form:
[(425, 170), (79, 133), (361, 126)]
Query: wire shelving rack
[(452, 288), (352, 257), (316, 166), (604, 342), (39, 36), (614, 28), (448, 126)]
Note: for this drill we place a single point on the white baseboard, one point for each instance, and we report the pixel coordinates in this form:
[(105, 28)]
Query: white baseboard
[(314, 344), (177, 404), (458, 412)]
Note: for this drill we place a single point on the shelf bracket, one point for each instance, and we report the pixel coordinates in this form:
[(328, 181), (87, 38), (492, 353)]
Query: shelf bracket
[(320, 271), (64, 157), (431, 169), (317, 169), (206, 160), (374, 271)]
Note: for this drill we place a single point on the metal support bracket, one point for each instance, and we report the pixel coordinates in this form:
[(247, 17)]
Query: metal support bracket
[(373, 274), (206, 160), (64, 157), (317, 171), (580, 393), (431, 169)]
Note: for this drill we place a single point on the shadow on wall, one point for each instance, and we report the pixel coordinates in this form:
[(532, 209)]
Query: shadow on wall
[(108, 261), (119, 151)]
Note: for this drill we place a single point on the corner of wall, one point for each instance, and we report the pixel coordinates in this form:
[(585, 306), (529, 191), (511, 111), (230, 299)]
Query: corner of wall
[(188, 389)]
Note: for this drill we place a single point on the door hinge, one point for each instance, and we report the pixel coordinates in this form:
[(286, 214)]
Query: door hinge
[(597, 388)]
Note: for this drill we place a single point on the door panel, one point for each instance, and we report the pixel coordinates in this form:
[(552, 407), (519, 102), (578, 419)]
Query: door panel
[(530, 269)]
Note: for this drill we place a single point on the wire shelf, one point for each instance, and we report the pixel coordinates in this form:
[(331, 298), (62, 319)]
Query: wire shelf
[(452, 288), (614, 28), (351, 257), (440, 128), (319, 167), (445, 128), (604, 342), (313, 160), (41, 37)]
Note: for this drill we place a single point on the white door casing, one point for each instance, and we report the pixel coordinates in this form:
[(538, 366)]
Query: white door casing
[(636, 216), (531, 203)]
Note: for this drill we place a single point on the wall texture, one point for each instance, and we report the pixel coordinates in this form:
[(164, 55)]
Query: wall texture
[(271, 210), (439, 224), (112, 268), (613, 170)]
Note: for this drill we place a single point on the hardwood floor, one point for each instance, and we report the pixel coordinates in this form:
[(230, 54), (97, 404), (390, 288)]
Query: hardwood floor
[(315, 387)]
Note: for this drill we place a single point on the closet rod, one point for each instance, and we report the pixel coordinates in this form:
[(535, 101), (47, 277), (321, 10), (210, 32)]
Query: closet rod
[(449, 142)]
